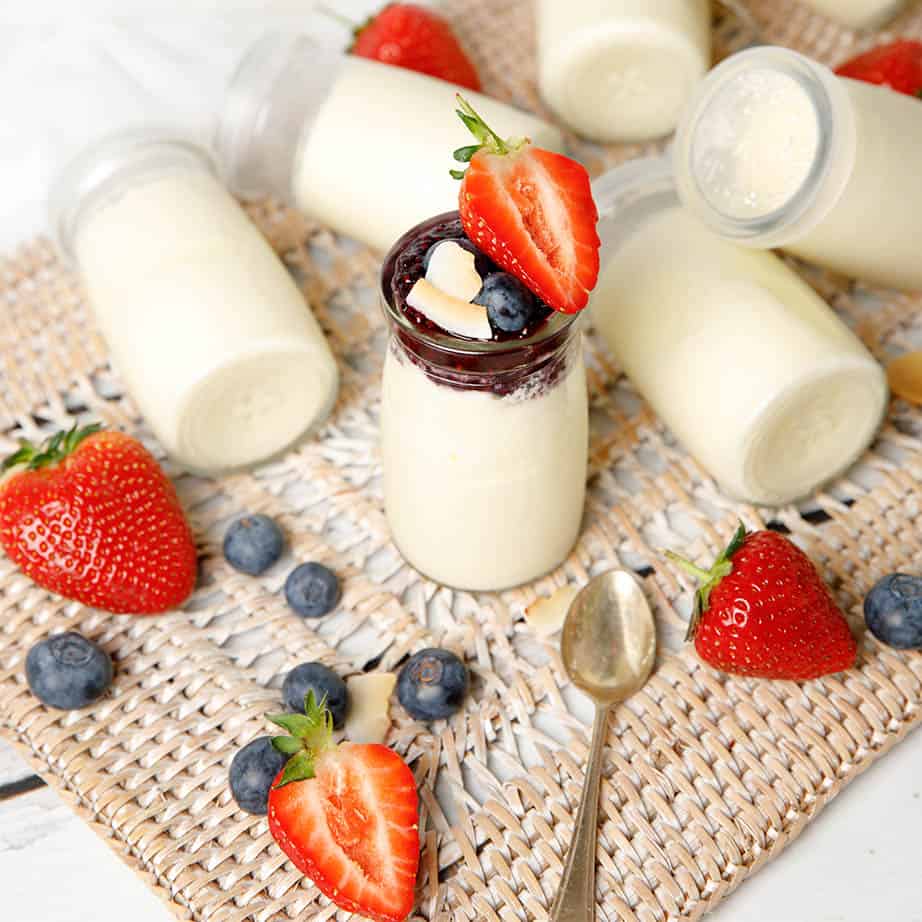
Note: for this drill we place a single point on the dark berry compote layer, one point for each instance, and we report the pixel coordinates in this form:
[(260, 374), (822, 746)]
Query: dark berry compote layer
[(528, 340)]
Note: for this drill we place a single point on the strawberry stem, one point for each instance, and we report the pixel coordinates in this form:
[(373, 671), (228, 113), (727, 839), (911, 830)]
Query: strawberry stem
[(51, 451), (708, 579), (310, 734), (487, 139)]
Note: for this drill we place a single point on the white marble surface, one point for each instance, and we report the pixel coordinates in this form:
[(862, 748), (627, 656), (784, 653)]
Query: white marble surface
[(67, 73)]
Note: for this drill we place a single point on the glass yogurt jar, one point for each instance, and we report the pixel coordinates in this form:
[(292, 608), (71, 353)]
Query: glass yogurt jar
[(484, 435), (620, 70), (744, 362), (363, 147), (212, 337), (775, 150)]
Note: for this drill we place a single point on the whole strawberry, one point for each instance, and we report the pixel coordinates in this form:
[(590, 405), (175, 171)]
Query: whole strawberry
[(346, 815), (763, 610), (91, 516), (411, 36), (897, 65), (531, 211)]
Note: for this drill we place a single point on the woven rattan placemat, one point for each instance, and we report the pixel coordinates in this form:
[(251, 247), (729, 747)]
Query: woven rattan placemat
[(706, 777)]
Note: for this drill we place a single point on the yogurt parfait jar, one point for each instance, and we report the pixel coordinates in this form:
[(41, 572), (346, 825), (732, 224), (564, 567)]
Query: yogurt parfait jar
[(362, 147), (775, 150), (484, 440), (210, 334), (744, 362), (621, 70), (859, 14)]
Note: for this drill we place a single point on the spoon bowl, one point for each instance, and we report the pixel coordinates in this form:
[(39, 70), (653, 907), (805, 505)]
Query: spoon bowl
[(609, 638)]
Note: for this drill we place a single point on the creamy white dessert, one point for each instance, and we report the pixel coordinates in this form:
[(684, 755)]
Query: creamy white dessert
[(621, 70), (206, 327), (484, 441), (360, 146), (859, 14), (751, 370), (777, 151)]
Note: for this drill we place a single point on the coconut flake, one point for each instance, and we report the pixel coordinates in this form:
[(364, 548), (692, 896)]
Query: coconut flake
[(449, 313), (452, 269), (546, 616), (369, 719)]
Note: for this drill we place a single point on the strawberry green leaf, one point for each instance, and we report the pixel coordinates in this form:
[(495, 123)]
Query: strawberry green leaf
[(295, 724), (456, 174), (300, 767), (464, 154), (287, 745), (53, 450)]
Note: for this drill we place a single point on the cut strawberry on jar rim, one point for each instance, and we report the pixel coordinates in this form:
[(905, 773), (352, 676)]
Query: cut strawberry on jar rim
[(531, 211)]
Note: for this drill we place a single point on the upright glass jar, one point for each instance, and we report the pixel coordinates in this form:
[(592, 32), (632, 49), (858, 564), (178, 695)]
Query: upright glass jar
[(362, 147), (620, 70), (775, 150), (485, 447), (206, 327), (751, 370), (859, 14)]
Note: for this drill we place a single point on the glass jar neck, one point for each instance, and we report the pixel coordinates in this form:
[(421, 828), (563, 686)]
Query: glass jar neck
[(106, 170)]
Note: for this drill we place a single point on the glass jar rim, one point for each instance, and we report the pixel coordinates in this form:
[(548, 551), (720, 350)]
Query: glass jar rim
[(92, 171), (818, 84), (446, 343)]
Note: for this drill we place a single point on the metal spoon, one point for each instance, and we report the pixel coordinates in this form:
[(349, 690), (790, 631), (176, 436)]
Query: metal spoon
[(608, 648)]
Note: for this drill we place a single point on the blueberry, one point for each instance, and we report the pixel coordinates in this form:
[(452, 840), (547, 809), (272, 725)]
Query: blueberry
[(252, 772), (510, 305), (432, 684), (893, 611), (323, 682), (312, 590), (252, 544), (68, 671), (482, 263)]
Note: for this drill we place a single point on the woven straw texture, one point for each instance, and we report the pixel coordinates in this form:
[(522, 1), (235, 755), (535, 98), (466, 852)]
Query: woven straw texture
[(706, 777)]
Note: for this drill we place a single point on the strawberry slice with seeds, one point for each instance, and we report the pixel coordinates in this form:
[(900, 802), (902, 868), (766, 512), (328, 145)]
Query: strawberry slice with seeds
[(531, 211), (346, 816)]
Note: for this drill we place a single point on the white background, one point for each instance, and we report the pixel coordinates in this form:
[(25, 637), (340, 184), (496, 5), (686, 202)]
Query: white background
[(67, 74)]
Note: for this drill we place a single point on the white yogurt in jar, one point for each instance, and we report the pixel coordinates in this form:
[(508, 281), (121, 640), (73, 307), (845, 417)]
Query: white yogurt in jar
[(775, 150), (751, 370), (858, 14), (483, 492), (621, 70), (360, 146), (206, 327)]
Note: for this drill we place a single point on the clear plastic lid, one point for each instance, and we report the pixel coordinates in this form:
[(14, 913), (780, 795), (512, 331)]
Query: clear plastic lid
[(104, 170), (278, 87)]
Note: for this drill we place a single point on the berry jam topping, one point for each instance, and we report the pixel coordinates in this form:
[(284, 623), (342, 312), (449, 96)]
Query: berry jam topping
[(526, 352), (514, 312)]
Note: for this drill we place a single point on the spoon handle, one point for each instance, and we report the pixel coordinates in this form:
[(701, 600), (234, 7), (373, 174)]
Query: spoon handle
[(575, 900)]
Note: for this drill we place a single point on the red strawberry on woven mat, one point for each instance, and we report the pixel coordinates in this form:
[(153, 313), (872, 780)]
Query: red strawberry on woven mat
[(532, 212), (91, 516), (411, 36), (763, 610), (897, 65), (346, 816)]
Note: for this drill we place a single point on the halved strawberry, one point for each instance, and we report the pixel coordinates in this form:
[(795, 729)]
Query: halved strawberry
[(346, 816), (532, 212)]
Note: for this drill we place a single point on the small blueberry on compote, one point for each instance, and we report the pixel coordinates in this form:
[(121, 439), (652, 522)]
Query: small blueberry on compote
[(510, 305)]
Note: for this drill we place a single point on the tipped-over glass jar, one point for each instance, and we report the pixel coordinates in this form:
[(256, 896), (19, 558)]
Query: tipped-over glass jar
[(620, 70), (484, 446), (751, 370), (206, 327), (775, 150), (360, 146)]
